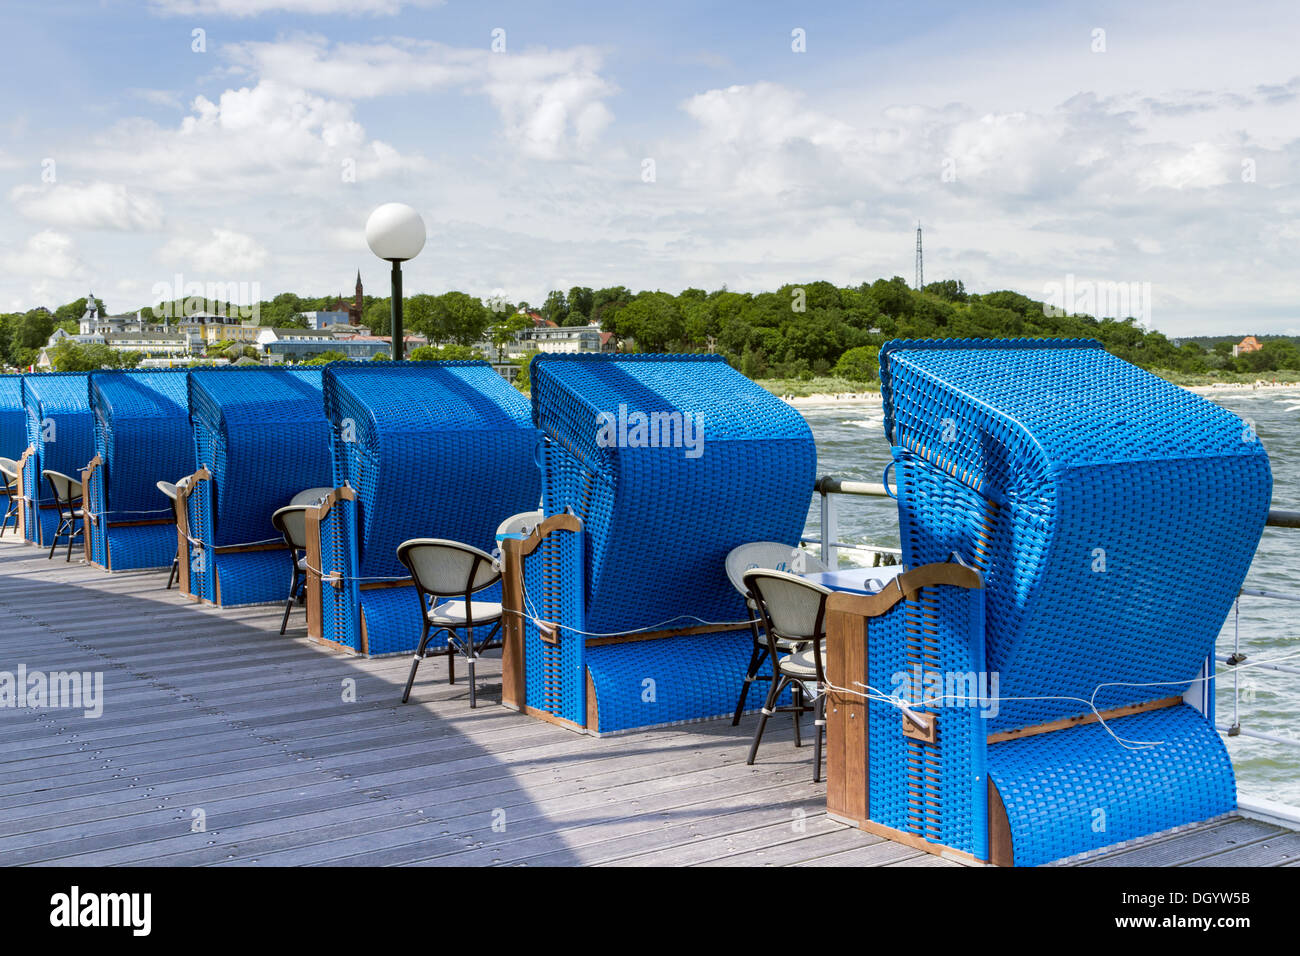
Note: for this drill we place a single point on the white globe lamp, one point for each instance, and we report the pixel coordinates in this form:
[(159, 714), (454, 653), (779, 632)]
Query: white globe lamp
[(395, 232)]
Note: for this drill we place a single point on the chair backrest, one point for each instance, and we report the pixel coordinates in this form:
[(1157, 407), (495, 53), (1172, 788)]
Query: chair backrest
[(521, 523), (447, 568), (771, 556), (669, 461), (291, 521), (66, 489), (312, 496), (795, 606), (431, 449), (9, 469), (167, 488)]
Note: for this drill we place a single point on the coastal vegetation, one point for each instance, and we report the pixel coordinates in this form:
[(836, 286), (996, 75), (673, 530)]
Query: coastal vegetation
[(814, 334)]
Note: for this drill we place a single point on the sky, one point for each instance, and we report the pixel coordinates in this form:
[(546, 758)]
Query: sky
[(146, 146)]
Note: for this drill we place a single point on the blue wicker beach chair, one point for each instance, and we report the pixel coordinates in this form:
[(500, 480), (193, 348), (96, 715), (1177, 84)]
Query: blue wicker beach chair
[(142, 431), (13, 439), (421, 450), (260, 437), (1112, 517), (60, 437), (654, 467)]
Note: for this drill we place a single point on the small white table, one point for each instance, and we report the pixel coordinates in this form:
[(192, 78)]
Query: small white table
[(857, 580)]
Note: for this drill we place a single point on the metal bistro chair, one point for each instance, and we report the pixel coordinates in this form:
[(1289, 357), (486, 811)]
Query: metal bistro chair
[(773, 556), (169, 489), (67, 498), (793, 610), (291, 522), (443, 569), (9, 472)]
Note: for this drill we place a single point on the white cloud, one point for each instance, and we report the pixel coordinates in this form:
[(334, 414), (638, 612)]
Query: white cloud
[(48, 254), (253, 8), (551, 102), (267, 136), (223, 253), (96, 205)]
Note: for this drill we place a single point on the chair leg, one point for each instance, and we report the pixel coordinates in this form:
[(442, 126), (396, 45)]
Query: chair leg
[(796, 698), (451, 661), (175, 572), (755, 661), (54, 542), (772, 695), (415, 661), (72, 534), (288, 603), (819, 717), (470, 659)]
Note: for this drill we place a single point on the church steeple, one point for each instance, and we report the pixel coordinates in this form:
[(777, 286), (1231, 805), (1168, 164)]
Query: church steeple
[(355, 316)]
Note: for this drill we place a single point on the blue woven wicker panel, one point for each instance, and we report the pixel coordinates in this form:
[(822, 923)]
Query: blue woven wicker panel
[(437, 449), (202, 571), (13, 426), (659, 523), (666, 681), (133, 549), (60, 427), (13, 419), (1077, 790), (93, 497), (1035, 461), (253, 577), (555, 674), (936, 791), (340, 606), (268, 439)]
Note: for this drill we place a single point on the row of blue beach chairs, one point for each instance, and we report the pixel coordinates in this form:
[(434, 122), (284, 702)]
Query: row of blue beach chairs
[(1033, 682)]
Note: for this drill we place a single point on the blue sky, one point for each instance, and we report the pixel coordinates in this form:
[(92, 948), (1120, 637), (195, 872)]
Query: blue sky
[(1162, 151)]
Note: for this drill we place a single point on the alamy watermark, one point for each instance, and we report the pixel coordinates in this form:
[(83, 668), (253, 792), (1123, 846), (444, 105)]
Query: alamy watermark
[(926, 688), (37, 690), (179, 299), (1120, 300), (638, 429)]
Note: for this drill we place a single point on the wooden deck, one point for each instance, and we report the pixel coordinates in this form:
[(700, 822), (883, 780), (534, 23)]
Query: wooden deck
[(213, 711)]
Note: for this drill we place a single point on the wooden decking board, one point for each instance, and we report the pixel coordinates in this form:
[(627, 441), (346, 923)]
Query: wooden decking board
[(578, 831), (1190, 845), (520, 798), (595, 773), (880, 853), (705, 842), (1276, 850), (211, 708)]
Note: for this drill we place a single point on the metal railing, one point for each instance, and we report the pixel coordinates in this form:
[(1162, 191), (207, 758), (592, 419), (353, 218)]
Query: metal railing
[(830, 487)]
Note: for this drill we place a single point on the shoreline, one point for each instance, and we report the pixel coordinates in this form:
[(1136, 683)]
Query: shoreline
[(847, 399)]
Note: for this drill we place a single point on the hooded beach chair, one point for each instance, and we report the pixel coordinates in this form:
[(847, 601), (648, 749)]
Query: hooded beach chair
[(142, 430), (60, 438), (1109, 519), (654, 467), (260, 437), (441, 450)]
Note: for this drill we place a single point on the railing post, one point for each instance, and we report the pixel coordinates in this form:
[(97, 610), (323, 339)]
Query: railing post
[(830, 531)]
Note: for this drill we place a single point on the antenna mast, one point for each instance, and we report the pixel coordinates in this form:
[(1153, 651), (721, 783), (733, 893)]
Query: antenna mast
[(920, 271)]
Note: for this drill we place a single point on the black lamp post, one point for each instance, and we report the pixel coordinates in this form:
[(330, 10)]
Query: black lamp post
[(395, 232)]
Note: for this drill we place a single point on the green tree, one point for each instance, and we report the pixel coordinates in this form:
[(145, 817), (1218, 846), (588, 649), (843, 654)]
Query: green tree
[(326, 357), (861, 364)]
